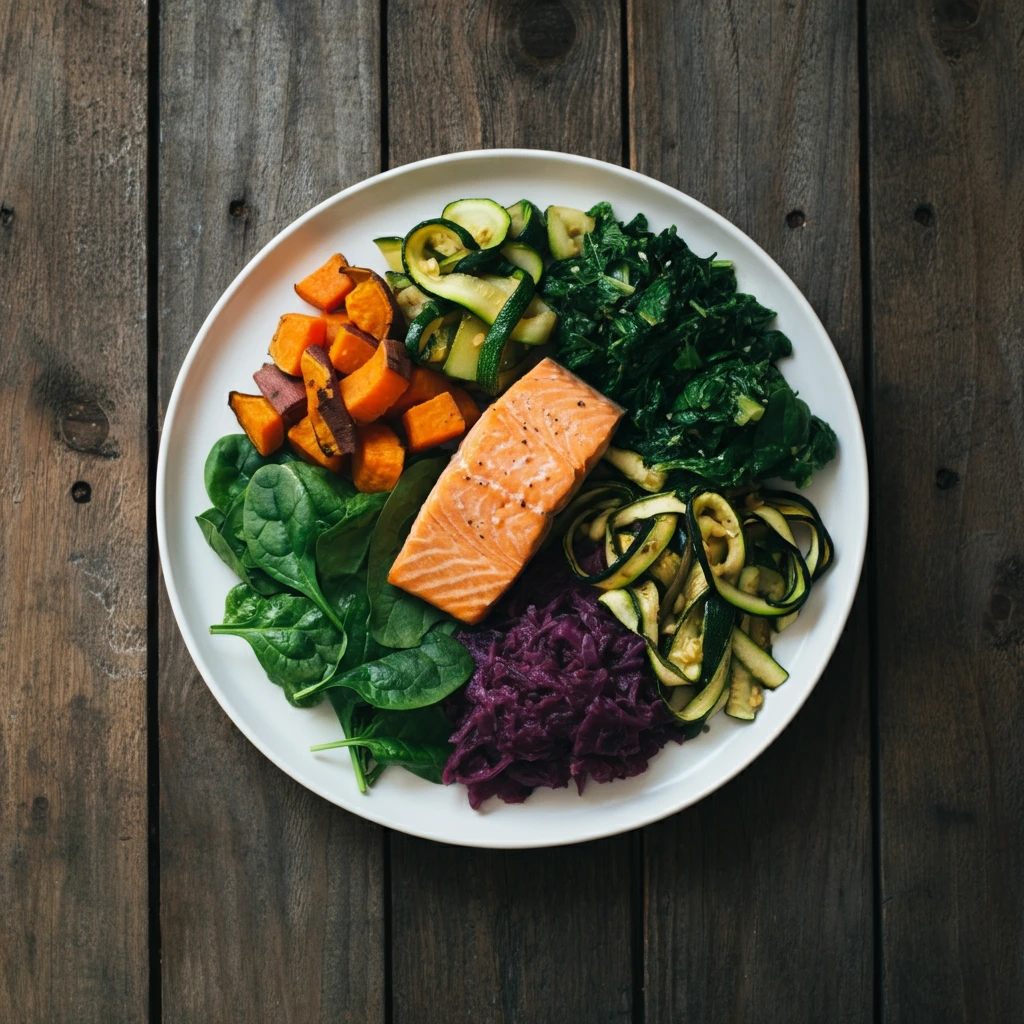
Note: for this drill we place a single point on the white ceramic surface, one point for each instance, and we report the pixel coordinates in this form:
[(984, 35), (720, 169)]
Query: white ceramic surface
[(232, 343)]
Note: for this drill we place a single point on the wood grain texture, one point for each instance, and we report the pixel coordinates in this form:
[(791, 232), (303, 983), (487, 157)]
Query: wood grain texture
[(947, 223), (544, 75), (73, 838), (484, 936), (761, 896), (271, 899)]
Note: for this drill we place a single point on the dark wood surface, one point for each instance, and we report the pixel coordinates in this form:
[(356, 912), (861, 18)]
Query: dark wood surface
[(154, 866)]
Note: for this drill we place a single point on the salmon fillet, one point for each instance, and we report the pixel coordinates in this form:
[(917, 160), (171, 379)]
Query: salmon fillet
[(493, 505)]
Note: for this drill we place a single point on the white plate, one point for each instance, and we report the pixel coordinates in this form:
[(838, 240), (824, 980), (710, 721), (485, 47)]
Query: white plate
[(232, 343)]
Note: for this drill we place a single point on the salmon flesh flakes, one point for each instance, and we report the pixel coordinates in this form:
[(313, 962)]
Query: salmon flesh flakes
[(491, 508)]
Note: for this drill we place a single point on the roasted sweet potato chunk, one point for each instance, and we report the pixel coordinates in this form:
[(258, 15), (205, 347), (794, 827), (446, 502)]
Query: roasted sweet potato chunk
[(378, 460), (295, 333), (372, 306), (327, 287), (303, 440), (260, 421), (327, 413), (351, 348), (371, 390), (433, 422), (332, 322), (286, 394)]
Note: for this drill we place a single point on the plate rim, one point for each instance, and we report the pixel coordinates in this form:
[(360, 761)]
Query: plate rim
[(856, 452)]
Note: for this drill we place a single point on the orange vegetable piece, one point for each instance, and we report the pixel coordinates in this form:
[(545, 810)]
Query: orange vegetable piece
[(332, 323), (467, 405), (295, 333), (432, 423), (424, 384), (373, 308), (327, 413), (378, 460), (351, 348), (303, 441), (259, 419), (371, 390), (327, 287)]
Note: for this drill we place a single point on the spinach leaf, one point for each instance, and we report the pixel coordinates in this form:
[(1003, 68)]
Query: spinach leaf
[(347, 595), (398, 619), (341, 549), (282, 523), (294, 641), (407, 679), (223, 534), (230, 465), (345, 704), (415, 740)]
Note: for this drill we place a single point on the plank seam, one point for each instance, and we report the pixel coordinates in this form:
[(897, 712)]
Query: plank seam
[(870, 574), (152, 559)]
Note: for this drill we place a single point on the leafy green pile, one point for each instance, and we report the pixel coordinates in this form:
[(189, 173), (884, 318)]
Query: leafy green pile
[(313, 554), (666, 334)]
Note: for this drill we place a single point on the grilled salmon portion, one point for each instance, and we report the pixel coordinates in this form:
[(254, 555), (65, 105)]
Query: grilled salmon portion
[(492, 506)]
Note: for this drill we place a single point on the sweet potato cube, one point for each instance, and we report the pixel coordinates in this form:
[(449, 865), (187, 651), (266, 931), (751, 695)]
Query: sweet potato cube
[(327, 287), (332, 322), (424, 384), (351, 348), (260, 421), (371, 390), (433, 422), (327, 413), (295, 333), (373, 308), (303, 441), (378, 460), (466, 403), (286, 394)]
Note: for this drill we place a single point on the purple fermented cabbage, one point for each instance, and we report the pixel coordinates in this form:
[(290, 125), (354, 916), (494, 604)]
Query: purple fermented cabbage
[(561, 691)]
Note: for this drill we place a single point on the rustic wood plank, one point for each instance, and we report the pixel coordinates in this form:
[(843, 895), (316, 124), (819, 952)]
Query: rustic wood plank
[(73, 841), (545, 75), (490, 936), (762, 896), (271, 899), (947, 220)]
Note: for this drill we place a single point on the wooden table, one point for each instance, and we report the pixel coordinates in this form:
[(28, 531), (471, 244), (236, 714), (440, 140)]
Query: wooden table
[(154, 866)]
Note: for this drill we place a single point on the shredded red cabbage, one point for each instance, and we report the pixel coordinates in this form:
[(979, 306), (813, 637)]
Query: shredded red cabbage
[(561, 691)]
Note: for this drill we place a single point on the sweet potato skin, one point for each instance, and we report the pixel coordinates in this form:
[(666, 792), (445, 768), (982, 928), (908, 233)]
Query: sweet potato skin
[(330, 420), (433, 422), (260, 421), (303, 440), (371, 390), (286, 394), (351, 348), (327, 286), (378, 460), (372, 305), (295, 333)]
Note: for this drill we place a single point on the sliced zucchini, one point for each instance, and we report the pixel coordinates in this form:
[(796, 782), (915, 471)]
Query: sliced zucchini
[(686, 651), (501, 332), (665, 567), (718, 526), (694, 588), (398, 280), (653, 537), (487, 221), (411, 301), (784, 621), (646, 507), (464, 354), (528, 225), (524, 256), (423, 325), (632, 467), (676, 584), (538, 319), (566, 230), (620, 603), (645, 599), (764, 668), (745, 695), (391, 249), (717, 651)]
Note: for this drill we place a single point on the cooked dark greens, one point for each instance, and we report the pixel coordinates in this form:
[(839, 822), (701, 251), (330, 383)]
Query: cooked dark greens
[(667, 335)]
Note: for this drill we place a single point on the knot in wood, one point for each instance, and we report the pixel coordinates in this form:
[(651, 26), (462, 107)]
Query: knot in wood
[(81, 492), (547, 30), (84, 426), (924, 215), (946, 478), (796, 219), (959, 15), (237, 208), (6, 215)]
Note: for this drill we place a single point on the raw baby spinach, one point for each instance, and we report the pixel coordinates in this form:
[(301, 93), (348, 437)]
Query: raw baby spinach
[(224, 534), (287, 508), (415, 740), (407, 679), (666, 334), (341, 549), (295, 642), (398, 619), (230, 465)]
